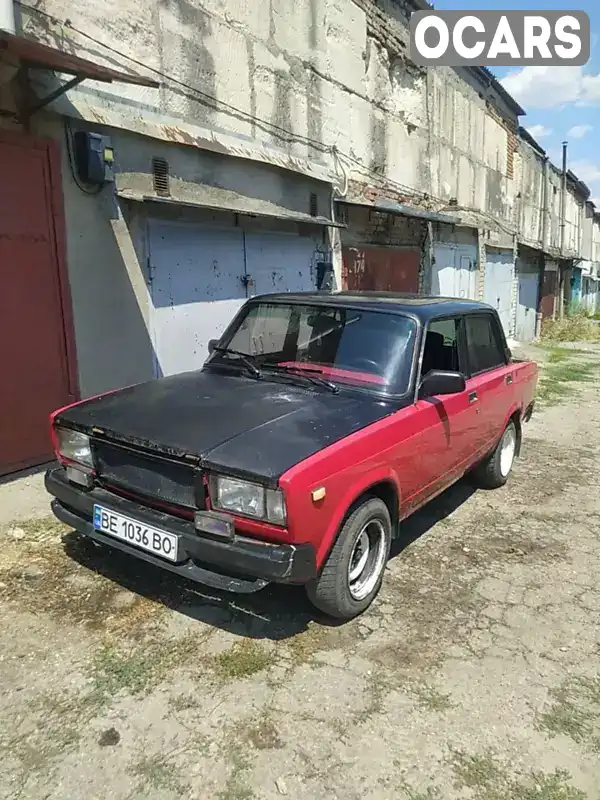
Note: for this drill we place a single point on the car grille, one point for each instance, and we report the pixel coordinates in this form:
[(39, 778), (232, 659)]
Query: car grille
[(146, 476)]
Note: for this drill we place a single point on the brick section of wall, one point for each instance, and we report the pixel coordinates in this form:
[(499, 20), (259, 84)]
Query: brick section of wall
[(381, 28), (511, 142), (368, 226)]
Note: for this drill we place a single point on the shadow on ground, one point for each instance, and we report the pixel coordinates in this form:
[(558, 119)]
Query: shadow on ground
[(276, 612)]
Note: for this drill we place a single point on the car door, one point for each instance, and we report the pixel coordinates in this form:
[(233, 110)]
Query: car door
[(448, 420), (490, 377)]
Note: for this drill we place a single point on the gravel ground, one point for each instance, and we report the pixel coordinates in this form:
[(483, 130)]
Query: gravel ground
[(474, 675)]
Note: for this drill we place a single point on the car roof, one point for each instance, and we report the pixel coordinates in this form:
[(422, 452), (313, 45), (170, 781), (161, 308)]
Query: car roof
[(421, 306)]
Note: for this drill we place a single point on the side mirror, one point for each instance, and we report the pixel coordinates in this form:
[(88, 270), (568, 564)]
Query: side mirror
[(212, 343), (441, 382)]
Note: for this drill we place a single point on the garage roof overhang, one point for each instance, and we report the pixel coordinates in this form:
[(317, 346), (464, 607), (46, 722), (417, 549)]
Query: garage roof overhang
[(218, 199), (30, 54), (389, 207)]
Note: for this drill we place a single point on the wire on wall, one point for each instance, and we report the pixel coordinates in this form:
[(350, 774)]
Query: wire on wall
[(276, 130), (73, 166)]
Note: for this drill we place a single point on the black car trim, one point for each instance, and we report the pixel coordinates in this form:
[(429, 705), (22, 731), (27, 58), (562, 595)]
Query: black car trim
[(238, 563)]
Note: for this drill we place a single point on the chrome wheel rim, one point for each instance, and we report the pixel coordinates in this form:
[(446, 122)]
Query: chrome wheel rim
[(367, 560), (507, 451)]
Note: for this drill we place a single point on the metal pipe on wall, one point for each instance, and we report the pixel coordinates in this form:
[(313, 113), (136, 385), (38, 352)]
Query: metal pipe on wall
[(563, 198), (7, 16)]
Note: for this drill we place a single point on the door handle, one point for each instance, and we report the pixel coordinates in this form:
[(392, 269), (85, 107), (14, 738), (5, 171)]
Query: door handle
[(472, 397), (509, 380)]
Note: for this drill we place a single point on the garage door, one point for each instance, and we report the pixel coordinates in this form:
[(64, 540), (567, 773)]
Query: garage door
[(381, 269), (498, 285), (200, 276), (454, 273), (527, 299), (33, 330), (280, 262)]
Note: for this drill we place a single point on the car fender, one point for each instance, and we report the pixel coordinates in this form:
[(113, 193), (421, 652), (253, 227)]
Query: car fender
[(351, 494)]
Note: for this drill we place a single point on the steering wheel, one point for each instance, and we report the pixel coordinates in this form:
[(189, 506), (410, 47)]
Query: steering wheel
[(363, 361)]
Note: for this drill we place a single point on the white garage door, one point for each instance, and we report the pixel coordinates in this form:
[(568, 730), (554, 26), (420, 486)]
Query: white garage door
[(200, 276), (526, 305), (454, 273), (498, 285)]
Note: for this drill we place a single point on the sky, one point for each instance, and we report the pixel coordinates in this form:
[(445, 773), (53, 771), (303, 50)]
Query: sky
[(562, 103)]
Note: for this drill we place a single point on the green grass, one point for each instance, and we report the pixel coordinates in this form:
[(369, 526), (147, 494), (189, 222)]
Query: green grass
[(575, 712), (429, 698), (560, 373), (575, 327), (143, 667), (242, 660), (489, 779)]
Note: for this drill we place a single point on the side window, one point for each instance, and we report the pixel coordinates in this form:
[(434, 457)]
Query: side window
[(441, 346), (483, 344)]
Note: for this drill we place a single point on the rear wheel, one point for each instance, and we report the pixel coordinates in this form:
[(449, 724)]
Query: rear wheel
[(353, 572), (494, 471)]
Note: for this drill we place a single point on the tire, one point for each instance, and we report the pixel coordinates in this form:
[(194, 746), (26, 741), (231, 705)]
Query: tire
[(334, 592), (493, 472)]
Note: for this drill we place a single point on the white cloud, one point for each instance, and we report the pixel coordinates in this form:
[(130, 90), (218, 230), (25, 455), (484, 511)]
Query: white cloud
[(586, 171), (549, 87), (579, 131), (595, 201), (538, 131)]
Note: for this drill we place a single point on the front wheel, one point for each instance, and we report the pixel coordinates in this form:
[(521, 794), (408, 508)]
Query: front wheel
[(494, 471), (352, 575)]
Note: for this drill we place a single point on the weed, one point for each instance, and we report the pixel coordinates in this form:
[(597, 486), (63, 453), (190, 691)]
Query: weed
[(157, 772), (560, 372), (236, 789), (241, 661), (576, 327), (304, 645), (575, 712), (429, 698), (431, 793), (141, 668), (488, 779)]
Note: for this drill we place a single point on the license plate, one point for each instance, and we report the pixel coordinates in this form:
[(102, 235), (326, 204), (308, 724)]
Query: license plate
[(155, 541)]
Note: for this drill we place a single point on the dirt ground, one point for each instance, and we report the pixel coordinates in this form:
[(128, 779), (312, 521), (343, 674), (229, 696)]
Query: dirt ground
[(476, 674)]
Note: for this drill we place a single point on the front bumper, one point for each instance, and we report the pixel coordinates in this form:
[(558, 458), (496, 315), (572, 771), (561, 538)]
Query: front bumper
[(244, 565)]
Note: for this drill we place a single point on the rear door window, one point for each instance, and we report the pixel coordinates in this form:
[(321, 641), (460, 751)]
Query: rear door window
[(441, 346), (483, 343)]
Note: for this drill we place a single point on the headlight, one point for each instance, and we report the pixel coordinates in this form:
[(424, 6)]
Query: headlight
[(74, 446), (249, 499)]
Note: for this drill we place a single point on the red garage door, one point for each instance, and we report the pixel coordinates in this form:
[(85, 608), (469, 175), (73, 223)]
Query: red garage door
[(385, 269), (35, 342)]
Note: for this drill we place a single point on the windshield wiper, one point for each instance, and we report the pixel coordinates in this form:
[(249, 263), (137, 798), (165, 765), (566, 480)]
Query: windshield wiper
[(245, 358), (300, 372)]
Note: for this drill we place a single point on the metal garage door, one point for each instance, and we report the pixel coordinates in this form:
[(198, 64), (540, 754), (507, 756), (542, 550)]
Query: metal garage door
[(498, 284), (34, 331), (197, 285), (280, 262), (526, 305), (454, 273), (381, 269), (201, 275)]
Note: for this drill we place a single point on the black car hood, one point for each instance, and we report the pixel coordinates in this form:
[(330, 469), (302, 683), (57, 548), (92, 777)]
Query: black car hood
[(241, 425)]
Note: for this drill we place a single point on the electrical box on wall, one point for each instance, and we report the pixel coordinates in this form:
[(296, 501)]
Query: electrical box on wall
[(325, 276), (94, 157)]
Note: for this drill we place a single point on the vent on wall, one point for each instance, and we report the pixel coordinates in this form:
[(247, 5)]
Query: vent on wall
[(313, 205), (160, 177)]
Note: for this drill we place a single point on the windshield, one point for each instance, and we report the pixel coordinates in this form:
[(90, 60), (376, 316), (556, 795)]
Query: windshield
[(367, 349)]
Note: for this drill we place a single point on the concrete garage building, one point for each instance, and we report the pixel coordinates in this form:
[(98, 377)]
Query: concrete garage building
[(163, 161)]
